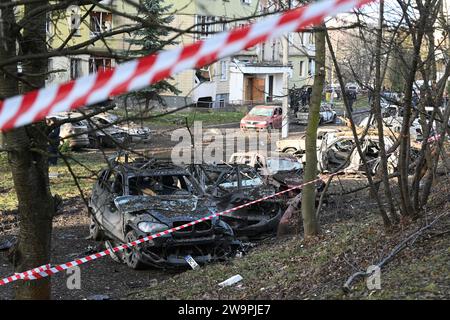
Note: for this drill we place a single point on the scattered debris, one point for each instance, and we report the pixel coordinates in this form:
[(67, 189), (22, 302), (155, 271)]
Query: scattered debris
[(231, 281)]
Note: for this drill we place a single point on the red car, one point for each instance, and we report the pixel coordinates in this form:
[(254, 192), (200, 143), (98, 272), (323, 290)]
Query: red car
[(263, 118)]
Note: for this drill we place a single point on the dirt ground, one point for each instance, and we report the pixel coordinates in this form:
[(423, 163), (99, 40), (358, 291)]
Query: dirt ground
[(104, 277)]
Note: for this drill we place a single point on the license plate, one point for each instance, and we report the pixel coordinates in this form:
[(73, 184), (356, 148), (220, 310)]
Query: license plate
[(194, 265)]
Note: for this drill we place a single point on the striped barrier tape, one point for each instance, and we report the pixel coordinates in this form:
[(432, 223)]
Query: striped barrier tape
[(47, 270), (137, 74)]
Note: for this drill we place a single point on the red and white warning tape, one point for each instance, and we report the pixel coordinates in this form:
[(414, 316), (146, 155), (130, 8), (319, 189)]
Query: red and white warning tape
[(137, 74), (47, 270)]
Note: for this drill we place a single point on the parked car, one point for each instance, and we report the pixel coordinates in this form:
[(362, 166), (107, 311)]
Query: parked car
[(327, 114), (133, 200), (75, 133), (233, 185), (136, 133), (263, 117)]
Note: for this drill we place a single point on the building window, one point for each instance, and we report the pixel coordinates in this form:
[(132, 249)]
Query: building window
[(49, 27), (205, 26), (311, 67), (222, 26), (302, 69), (311, 38), (100, 22), (74, 19), (223, 70), (99, 64), (291, 38), (75, 68)]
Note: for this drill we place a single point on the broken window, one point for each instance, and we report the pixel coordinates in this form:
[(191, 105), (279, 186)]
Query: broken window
[(203, 74), (75, 68), (205, 25), (100, 22), (74, 19), (159, 185), (99, 64)]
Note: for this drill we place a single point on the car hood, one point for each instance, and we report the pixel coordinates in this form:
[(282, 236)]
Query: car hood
[(255, 118), (168, 205)]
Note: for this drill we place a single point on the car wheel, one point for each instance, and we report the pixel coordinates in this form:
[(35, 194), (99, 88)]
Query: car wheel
[(132, 256), (320, 121), (334, 119), (94, 142), (94, 230)]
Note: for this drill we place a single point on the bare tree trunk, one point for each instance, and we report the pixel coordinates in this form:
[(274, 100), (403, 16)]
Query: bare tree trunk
[(405, 142), (28, 159), (310, 224), (379, 119)]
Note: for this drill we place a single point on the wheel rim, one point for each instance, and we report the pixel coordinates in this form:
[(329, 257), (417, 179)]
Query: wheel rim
[(93, 227), (131, 254)]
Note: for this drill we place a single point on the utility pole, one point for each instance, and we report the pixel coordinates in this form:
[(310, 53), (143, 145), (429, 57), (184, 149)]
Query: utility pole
[(285, 123)]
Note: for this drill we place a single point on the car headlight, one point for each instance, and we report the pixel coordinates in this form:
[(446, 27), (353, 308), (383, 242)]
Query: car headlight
[(262, 122), (151, 227)]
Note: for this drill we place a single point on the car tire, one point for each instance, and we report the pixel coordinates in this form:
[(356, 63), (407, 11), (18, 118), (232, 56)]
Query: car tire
[(132, 256), (94, 230), (320, 121)]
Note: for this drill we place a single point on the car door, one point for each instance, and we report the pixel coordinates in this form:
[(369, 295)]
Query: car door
[(113, 217)]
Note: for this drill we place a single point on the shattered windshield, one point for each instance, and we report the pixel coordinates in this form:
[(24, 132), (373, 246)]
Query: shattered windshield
[(151, 185)]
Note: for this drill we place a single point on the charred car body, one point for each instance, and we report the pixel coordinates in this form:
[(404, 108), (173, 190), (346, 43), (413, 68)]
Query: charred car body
[(131, 201), (233, 185)]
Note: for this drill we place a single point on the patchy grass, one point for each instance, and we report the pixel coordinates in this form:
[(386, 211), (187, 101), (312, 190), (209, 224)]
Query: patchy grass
[(207, 117), (293, 268), (61, 181)]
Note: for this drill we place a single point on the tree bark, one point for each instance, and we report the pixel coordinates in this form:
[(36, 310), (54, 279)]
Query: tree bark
[(310, 224), (28, 157), (379, 118)]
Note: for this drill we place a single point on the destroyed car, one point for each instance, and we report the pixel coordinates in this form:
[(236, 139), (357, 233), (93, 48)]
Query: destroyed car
[(233, 185), (295, 145), (338, 152), (74, 132), (327, 114), (283, 170), (131, 201), (136, 133), (102, 133)]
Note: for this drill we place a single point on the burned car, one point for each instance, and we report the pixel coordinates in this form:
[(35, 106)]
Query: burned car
[(132, 200), (135, 132), (282, 170), (338, 151), (233, 185), (327, 114)]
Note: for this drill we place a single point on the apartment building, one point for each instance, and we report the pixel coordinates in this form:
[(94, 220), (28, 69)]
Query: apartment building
[(251, 76), (68, 28)]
